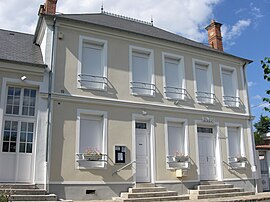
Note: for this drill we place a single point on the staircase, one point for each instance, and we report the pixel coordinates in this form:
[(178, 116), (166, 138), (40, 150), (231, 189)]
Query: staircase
[(149, 192), (25, 192), (215, 189)]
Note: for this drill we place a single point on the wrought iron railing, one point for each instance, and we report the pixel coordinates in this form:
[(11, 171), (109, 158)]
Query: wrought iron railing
[(231, 101), (175, 92), (93, 81), (205, 97), (142, 88)]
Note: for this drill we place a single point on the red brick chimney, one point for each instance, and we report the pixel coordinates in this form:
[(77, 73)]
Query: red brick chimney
[(214, 35), (50, 7)]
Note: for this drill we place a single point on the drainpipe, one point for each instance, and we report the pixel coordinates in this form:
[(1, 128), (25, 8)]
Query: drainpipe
[(49, 108), (250, 122)]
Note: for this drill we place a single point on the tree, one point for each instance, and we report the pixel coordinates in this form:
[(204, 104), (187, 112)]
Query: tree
[(266, 70), (262, 128)]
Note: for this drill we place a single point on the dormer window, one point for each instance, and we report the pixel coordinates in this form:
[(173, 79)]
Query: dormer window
[(92, 71), (142, 76)]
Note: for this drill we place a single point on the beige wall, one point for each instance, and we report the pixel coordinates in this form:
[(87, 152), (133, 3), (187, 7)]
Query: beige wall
[(118, 66), (120, 132)]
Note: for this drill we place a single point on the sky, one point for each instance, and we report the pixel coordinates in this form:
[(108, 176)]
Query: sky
[(245, 30)]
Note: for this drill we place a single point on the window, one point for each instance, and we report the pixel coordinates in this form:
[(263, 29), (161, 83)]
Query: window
[(142, 78), (91, 136), (92, 64), (203, 78), (229, 83), (235, 143), (19, 130), (173, 67), (176, 138)]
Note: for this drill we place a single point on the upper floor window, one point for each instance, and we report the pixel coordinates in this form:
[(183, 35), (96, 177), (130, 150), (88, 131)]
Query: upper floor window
[(142, 76), (203, 79), (229, 84), (174, 76), (92, 71)]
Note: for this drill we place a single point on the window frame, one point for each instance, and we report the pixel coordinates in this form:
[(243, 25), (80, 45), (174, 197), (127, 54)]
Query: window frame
[(186, 144), (181, 68), (104, 55), (144, 51), (235, 84), (104, 115), (209, 79)]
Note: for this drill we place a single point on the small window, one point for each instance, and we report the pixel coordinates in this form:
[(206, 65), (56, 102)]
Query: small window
[(141, 125), (174, 77), (142, 82), (204, 130), (93, 64), (234, 141)]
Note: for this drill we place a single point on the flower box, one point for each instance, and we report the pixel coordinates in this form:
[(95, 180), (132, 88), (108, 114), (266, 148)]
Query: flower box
[(180, 158), (238, 159), (92, 157)]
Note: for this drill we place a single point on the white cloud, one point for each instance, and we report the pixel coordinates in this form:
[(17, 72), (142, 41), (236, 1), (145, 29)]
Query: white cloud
[(262, 105), (255, 11), (257, 97), (251, 83), (186, 17)]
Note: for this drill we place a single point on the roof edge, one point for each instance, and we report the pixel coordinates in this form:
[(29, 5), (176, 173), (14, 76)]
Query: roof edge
[(24, 63)]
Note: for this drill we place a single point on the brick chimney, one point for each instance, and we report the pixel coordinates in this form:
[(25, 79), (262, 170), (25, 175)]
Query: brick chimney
[(50, 7), (214, 35)]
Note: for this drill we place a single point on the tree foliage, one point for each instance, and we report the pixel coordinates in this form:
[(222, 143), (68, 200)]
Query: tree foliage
[(262, 128), (266, 70)]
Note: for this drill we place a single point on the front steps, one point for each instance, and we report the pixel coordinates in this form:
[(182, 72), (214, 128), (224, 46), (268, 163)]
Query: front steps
[(149, 192), (25, 192), (211, 190)]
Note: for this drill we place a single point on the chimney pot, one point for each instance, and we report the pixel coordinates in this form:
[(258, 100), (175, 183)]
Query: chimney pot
[(214, 35)]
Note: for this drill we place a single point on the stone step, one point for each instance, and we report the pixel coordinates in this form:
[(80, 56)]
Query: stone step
[(222, 195), (23, 191), (213, 191), (145, 185), (49, 197), (211, 182), (216, 186), (146, 189), (149, 194), (165, 198), (17, 186)]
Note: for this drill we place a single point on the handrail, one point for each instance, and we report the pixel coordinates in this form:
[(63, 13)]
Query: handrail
[(123, 167)]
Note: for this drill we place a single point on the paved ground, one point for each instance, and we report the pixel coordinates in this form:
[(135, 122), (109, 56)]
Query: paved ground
[(258, 197)]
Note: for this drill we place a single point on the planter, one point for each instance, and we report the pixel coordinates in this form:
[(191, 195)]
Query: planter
[(92, 157), (238, 159), (180, 158)]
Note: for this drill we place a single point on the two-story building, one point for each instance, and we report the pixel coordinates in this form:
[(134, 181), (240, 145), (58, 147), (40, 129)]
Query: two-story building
[(128, 102)]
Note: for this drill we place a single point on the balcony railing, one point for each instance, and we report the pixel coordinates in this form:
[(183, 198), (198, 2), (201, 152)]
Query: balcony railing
[(175, 93), (142, 88), (205, 97), (231, 101), (93, 81), (178, 162)]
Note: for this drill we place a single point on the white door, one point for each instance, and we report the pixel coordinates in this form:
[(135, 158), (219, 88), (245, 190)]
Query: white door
[(18, 135), (207, 156), (142, 152)]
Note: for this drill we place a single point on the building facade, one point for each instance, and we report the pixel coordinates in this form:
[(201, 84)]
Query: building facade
[(152, 106)]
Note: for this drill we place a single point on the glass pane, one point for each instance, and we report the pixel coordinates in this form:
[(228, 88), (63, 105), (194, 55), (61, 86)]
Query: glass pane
[(10, 91), (6, 136), (26, 101), (7, 125), (9, 100), (26, 92), (29, 148), (141, 125), (33, 93), (9, 109), (23, 126), (25, 111), (32, 101), (17, 91), (14, 125), (31, 111), (13, 136), (22, 147), (16, 110), (12, 147), (29, 137), (23, 137), (5, 146), (16, 101), (30, 127)]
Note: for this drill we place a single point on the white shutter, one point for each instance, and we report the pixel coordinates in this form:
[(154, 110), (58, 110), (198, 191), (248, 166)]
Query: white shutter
[(202, 80), (227, 79), (176, 138), (91, 133), (234, 141)]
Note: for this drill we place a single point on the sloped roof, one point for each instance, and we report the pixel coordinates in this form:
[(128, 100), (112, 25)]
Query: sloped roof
[(19, 47), (137, 27)]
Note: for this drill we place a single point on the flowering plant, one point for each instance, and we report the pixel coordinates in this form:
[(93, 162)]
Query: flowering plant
[(92, 151), (177, 153)]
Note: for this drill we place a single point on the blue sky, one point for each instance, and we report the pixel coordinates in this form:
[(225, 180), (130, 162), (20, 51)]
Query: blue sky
[(245, 27)]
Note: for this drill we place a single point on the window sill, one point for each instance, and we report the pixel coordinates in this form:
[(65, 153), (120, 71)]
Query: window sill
[(94, 89), (143, 95), (205, 103), (87, 165)]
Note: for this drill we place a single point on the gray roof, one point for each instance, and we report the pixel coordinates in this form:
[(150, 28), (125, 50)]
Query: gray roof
[(137, 27), (19, 48)]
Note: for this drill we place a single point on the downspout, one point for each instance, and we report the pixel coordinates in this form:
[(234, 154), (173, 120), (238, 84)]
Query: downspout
[(49, 107), (250, 122)]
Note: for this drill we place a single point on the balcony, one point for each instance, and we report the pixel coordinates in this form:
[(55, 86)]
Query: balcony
[(231, 101), (92, 81), (175, 93), (86, 161), (142, 88), (178, 162), (205, 97)]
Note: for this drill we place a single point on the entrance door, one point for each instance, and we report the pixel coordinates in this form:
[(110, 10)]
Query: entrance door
[(17, 135), (207, 156), (142, 152)]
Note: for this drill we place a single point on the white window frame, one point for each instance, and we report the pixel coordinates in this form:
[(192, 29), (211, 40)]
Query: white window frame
[(209, 79), (186, 144), (235, 84), (94, 41), (92, 164), (150, 54), (242, 140), (181, 68)]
